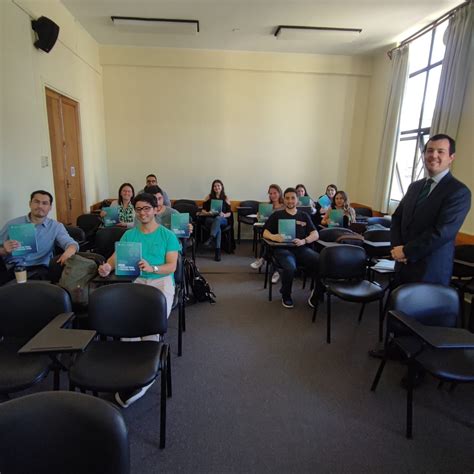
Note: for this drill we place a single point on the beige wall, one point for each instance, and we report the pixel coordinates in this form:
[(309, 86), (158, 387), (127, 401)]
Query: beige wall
[(247, 118), (72, 68)]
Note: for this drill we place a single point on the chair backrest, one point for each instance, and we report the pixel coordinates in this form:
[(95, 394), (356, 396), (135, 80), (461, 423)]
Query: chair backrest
[(342, 262), (385, 221), (331, 234), (189, 207), (465, 253), (76, 233), (62, 432), (251, 204), (429, 303), (185, 201), (105, 240), (378, 235), (128, 310), (28, 307), (179, 273), (363, 211), (89, 223)]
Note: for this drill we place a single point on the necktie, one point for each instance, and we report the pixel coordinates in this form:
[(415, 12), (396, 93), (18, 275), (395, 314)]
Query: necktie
[(424, 191)]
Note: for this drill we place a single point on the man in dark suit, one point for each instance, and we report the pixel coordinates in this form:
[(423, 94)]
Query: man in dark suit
[(426, 222)]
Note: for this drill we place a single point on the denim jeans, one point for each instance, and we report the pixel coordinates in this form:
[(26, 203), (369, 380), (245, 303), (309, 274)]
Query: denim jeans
[(289, 258), (214, 224)]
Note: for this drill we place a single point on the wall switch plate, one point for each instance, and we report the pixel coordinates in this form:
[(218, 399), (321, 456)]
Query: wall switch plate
[(44, 161)]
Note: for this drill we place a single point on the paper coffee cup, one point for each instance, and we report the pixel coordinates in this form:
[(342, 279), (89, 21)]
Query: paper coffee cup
[(20, 274)]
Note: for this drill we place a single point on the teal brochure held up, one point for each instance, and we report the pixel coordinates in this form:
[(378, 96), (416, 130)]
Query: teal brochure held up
[(304, 201), (26, 235), (264, 211), (111, 216), (180, 224), (336, 218), (324, 201), (216, 206), (287, 229), (127, 256)]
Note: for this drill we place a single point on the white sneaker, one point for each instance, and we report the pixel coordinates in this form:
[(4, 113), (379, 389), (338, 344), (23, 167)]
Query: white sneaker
[(134, 397), (275, 277), (257, 264)]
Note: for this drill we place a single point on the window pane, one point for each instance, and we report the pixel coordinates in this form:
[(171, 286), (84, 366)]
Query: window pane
[(411, 109), (431, 93), (404, 162), (419, 52), (438, 45)]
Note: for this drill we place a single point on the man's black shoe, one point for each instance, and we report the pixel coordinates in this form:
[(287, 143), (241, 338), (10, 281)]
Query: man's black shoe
[(393, 354), (217, 255), (287, 302)]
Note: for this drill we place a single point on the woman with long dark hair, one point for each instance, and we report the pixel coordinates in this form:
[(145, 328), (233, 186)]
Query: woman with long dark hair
[(341, 202), (215, 220), (126, 212)]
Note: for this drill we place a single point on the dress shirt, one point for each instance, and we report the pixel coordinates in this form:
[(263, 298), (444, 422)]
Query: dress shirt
[(436, 179), (49, 233)]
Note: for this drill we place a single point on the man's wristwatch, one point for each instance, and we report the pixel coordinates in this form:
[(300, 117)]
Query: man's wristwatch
[(155, 269)]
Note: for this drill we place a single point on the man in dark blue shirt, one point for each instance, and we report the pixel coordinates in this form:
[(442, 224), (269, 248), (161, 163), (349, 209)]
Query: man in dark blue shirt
[(297, 252)]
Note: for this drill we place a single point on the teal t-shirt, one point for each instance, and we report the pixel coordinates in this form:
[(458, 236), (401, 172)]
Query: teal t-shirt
[(155, 246)]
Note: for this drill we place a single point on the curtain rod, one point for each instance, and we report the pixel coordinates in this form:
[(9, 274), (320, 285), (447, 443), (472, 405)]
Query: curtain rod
[(429, 27)]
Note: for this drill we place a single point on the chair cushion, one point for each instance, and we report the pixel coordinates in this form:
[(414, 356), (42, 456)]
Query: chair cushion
[(18, 372), (114, 366), (358, 291), (451, 365)]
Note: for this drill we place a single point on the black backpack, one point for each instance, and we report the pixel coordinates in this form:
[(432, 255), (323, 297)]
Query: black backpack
[(200, 288)]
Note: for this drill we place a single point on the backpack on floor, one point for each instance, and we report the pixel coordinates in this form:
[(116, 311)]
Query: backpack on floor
[(78, 271), (200, 288)]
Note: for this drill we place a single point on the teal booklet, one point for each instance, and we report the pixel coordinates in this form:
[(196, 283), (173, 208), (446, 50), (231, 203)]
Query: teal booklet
[(324, 201), (264, 211), (287, 229), (304, 201), (127, 256), (336, 218), (216, 206), (180, 224), (111, 216), (26, 235)]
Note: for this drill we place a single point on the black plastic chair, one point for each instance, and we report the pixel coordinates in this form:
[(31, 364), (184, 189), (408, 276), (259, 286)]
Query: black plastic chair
[(243, 211), (90, 224), (383, 221), (105, 240), (183, 201), (378, 235), (363, 211), (342, 270), (62, 432), (228, 238), (463, 280), (26, 309), (179, 301), (126, 310), (190, 207), (445, 353)]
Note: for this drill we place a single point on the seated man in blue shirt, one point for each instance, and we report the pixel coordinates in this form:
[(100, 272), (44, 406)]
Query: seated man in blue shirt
[(48, 234), (297, 252)]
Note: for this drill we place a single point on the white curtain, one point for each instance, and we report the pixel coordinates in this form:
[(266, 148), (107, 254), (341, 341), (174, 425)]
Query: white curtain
[(454, 73), (388, 147)]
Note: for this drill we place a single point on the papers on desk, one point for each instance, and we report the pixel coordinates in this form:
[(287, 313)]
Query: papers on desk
[(384, 265)]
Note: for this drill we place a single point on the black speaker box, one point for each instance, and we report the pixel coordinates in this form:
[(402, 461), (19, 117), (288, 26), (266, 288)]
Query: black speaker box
[(47, 32)]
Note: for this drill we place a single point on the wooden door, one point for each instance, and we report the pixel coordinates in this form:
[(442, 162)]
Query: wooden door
[(66, 157)]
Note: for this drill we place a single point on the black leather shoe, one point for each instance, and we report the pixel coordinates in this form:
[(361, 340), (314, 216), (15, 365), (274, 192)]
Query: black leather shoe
[(217, 256)]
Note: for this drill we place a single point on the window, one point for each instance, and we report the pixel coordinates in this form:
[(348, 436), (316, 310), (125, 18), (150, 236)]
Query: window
[(425, 61)]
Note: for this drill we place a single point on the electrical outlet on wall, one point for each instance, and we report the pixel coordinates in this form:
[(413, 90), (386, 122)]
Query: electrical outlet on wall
[(44, 161)]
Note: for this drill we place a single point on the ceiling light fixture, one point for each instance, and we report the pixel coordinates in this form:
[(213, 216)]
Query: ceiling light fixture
[(158, 25), (308, 33)]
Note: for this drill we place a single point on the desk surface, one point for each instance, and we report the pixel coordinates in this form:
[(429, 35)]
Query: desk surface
[(53, 338)]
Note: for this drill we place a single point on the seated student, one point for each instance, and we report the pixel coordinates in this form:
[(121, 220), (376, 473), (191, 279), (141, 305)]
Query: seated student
[(301, 191), (159, 257), (300, 254), (215, 222), (48, 234), (341, 202), (152, 181), (331, 191), (164, 213), (275, 196), (124, 202)]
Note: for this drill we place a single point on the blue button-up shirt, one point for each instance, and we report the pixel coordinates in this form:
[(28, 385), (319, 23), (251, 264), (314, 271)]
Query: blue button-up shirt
[(49, 233)]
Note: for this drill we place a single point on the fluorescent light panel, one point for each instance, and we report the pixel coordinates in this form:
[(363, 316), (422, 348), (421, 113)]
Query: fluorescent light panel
[(158, 25), (312, 33)]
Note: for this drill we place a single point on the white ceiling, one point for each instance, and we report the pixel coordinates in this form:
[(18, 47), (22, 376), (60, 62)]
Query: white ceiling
[(248, 25)]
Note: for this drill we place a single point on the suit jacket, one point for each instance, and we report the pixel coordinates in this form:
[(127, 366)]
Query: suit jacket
[(428, 232)]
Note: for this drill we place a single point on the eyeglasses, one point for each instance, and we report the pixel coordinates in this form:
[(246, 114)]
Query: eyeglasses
[(144, 209)]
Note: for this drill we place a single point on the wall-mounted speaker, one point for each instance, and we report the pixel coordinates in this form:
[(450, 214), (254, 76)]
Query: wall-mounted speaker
[(47, 32)]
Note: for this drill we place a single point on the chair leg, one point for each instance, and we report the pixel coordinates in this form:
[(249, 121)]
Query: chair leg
[(361, 313), (56, 371), (315, 310), (164, 376), (304, 280), (411, 376), (378, 374), (168, 374), (180, 329), (381, 314), (328, 323), (266, 275), (72, 387), (184, 317), (270, 283), (238, 232)]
